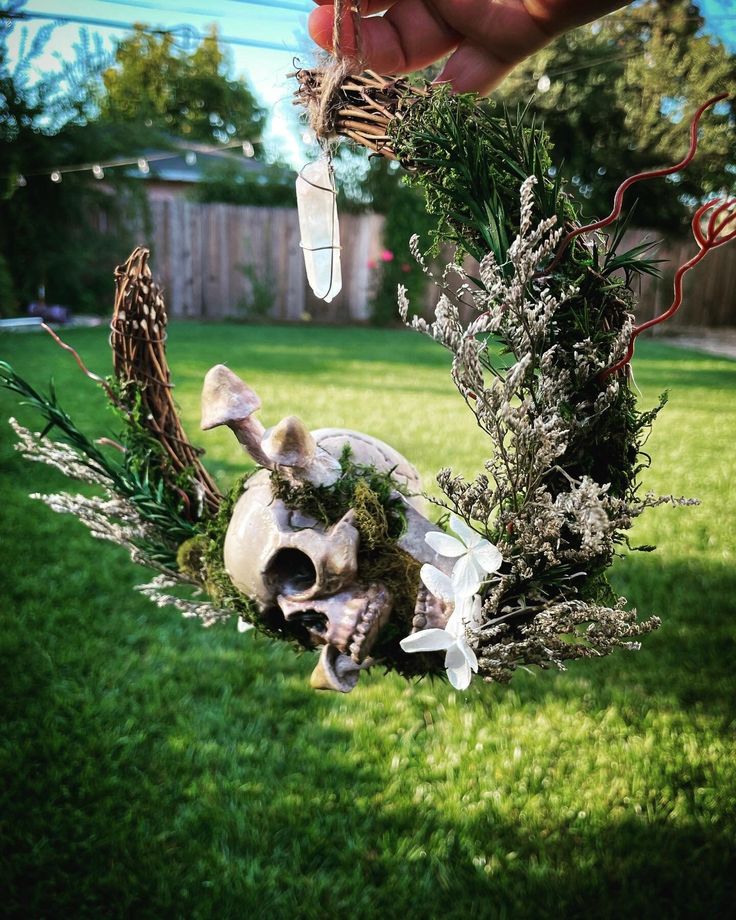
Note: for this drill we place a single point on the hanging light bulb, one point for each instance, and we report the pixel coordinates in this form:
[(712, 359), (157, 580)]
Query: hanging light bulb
[(56, 176), (98, 172), (316, 202), (248, 149), (543, 83), (143, 165), (190, 158), (21, 181)]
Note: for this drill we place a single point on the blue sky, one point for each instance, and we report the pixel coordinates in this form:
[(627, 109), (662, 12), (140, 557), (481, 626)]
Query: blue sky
[(281, 24)]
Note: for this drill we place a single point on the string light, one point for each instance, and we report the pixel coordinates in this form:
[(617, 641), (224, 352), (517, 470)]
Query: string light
[(544, 83), (143, 163)]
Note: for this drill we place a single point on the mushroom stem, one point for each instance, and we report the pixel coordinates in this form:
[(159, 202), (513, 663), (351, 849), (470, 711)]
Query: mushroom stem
[(226, 400), (249, 432)]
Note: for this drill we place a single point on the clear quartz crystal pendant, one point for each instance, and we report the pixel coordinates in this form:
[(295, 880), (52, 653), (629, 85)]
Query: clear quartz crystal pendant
[(316, 202)]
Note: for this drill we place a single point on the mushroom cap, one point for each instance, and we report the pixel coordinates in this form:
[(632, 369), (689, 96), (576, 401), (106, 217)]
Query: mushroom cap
[(225, 398), (289, 443)]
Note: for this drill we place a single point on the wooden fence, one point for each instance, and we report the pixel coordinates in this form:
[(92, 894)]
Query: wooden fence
[(217, 261), (709, 289)]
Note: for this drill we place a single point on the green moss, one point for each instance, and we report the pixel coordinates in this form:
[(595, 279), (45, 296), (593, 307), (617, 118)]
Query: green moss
[(190, 557)]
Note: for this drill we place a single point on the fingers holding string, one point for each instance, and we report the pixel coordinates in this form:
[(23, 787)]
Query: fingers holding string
[(409, 36), (366, 7)]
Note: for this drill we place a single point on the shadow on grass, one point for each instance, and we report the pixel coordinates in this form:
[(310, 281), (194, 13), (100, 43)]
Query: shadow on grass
[(156, 769)]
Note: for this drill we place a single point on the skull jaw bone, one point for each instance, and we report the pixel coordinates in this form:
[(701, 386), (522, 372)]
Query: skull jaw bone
[(351, 622)]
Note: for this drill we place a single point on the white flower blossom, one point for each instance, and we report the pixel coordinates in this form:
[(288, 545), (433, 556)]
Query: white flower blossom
[(476, 556), (460, 659)]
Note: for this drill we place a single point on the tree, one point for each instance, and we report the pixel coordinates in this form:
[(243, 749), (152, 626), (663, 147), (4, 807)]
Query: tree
[(615, 97), (189, 95), (405, 214), (66, 235)]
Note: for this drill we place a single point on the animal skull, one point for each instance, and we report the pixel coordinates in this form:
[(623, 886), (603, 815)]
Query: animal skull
[(299, 570)]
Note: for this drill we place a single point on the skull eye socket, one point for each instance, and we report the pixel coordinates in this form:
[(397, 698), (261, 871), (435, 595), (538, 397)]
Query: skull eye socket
[(291, 572)]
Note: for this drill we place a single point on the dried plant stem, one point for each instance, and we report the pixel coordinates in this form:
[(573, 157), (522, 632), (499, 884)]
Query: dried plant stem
[(138, 342), (363, 106)]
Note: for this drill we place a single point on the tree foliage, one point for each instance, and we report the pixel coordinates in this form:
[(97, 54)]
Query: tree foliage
[(405, 214), (186, 94), (615, 97), (67, 235), (272, 186)]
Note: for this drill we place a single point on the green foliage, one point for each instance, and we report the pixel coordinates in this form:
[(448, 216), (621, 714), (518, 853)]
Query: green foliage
[(154, 768), (66, 236), (470, 163), (619, 93), (137, 477), (8, 302), (405, 214), (188, 94), (259, 303), (271, 186)]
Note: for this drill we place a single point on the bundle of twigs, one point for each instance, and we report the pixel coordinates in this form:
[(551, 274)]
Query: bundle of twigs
[(138, 342), (362, 106)]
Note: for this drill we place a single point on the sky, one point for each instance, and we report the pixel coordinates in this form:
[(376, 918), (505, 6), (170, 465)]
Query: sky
[(280, 24), (275, 30)]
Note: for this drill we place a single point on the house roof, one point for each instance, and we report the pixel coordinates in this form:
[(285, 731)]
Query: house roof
[(191, 164)]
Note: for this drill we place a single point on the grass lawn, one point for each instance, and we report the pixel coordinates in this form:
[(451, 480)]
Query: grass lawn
[(152, 768)]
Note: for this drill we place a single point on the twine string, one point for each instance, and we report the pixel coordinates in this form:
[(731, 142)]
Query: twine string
[(344, 62)]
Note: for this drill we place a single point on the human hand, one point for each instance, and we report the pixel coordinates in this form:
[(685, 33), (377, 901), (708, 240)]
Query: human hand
[(486, 38)]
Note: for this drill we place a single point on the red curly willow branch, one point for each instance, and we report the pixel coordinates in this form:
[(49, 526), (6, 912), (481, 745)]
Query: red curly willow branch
[(618, 198), (721, 229)]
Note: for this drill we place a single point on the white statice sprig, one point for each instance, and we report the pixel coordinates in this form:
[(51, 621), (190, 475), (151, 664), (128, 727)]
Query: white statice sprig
[(206, 612)]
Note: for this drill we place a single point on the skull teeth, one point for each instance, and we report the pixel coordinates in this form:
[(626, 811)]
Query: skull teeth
[(371, 616)]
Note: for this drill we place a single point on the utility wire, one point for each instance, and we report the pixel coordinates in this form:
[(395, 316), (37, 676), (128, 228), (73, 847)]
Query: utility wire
[(267, 4), (187, 30), (284, 4)]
